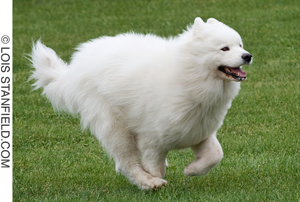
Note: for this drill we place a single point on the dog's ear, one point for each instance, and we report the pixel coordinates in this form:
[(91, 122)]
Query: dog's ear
[(212, 20), (198, 25)]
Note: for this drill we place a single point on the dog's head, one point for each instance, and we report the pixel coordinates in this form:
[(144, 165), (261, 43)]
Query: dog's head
[(222, 49)]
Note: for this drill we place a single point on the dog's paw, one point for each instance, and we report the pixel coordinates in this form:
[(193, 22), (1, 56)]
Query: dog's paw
[(195, 168), (153, 183), (189, 172)]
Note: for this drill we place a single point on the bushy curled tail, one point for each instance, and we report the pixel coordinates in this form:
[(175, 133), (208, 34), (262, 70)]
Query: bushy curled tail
[(48, 67), (48, 72)]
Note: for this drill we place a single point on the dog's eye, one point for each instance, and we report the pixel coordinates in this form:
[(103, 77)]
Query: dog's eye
[(241, 46), (225, 49)]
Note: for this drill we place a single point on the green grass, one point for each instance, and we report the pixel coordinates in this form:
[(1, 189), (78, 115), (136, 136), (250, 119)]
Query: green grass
[(55, 161)]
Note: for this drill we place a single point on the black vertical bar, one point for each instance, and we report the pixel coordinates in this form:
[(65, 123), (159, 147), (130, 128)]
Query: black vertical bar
[(5, 101)]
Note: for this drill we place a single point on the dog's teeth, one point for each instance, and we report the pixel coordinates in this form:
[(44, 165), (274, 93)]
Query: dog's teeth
[(227, 69)]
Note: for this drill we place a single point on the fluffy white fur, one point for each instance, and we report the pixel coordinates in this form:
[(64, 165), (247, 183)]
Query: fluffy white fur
[(143, 95)]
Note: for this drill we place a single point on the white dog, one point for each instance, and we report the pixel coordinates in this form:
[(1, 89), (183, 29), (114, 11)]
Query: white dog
[(143, 95)]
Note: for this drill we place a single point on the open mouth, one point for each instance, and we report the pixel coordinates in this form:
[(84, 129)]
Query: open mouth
[(236, 73)]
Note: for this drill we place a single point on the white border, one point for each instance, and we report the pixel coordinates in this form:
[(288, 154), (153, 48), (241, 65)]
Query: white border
[(6, 29), (6, 17)]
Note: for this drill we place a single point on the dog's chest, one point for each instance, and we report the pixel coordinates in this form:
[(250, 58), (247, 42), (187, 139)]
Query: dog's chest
[(204, 124), (205, 119), (199, 125)]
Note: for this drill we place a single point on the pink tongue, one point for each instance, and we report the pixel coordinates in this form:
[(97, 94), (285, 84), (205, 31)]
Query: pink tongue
[(238, 70)]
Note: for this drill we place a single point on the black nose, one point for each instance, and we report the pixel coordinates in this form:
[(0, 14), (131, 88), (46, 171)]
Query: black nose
[(247, 57)]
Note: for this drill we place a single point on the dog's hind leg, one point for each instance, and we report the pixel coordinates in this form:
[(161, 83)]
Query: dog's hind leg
[(207, 155), (112, 132)]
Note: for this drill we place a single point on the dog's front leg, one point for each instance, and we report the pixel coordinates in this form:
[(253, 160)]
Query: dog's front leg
[(207, 155), (154, 162)]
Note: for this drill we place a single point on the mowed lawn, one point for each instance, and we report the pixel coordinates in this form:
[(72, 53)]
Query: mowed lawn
[(54, 160)]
